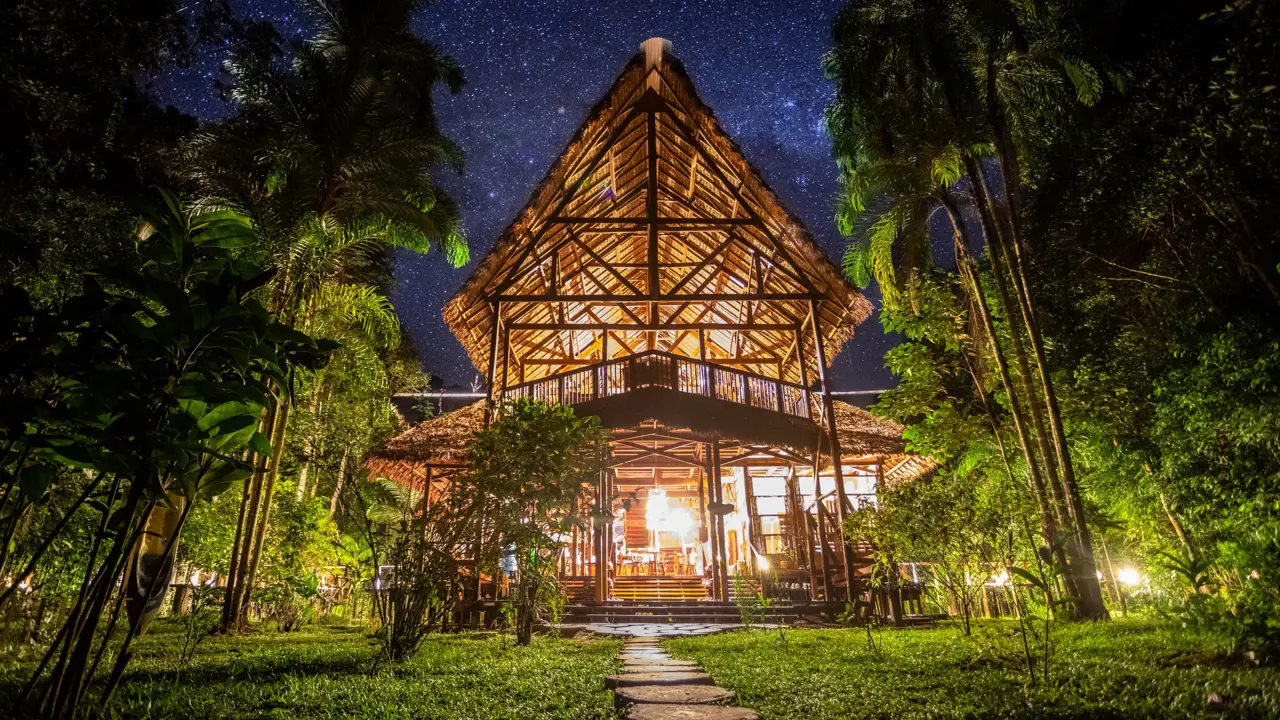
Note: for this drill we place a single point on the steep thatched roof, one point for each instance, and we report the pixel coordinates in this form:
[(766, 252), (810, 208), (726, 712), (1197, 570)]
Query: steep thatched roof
[(469, 314), (442, 441)]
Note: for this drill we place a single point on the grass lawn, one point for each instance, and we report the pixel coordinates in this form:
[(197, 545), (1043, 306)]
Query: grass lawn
[(324, 673), (1122, 669)]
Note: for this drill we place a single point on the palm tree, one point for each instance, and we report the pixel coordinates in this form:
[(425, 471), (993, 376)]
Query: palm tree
[(913, 115), (332, 155)]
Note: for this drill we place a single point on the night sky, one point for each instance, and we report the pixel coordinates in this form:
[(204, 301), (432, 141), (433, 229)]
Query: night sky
[(533, 71)]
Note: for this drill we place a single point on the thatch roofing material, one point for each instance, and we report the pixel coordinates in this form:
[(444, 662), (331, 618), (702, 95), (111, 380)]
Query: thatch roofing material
[(862, 433), (443, 440), (616, 188)]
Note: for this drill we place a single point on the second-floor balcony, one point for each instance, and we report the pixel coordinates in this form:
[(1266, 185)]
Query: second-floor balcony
[(666, 371)]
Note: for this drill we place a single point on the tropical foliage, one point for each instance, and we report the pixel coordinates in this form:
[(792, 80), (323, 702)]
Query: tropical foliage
[(1101, 331)]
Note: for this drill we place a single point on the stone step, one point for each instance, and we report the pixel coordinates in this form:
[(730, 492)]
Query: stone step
[(671, 694), (658, 668), (690, 712), (613, 682)]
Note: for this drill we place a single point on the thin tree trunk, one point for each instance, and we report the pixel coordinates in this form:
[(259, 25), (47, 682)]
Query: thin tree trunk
[(1000, 264), (260, 535), (233, 569), (974, 286), (48, 540), (1091, 593), (245, 531), (307, 445), (342, 478), (1117, 591), (1178, 529)]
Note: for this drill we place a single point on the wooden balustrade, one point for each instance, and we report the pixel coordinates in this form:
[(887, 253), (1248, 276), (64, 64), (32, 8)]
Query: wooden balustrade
[(673, 372)]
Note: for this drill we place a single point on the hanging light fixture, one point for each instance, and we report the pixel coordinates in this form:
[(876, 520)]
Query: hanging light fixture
[(660, 516)]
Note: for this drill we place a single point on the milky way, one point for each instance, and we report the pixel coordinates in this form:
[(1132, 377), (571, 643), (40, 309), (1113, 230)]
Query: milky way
[(533, 71)]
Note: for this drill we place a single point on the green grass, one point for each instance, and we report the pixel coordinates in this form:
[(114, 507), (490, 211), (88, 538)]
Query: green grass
[(325, 673), (1122, 669)]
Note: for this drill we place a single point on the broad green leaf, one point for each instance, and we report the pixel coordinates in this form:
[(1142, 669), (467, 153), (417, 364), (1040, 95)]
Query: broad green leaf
[(260, 444), (224, 412), (35, 479)]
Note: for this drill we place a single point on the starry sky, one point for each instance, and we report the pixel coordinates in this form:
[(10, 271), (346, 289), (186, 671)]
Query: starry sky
[(534, 69)]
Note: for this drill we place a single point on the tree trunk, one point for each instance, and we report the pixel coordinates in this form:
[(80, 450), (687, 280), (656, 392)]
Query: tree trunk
[(1177, 527), (260, 534), (974, 286), (342, 478), (308, 447), (1092, 605), (243, 546)]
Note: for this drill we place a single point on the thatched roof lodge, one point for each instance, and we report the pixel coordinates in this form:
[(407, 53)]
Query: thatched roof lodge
[(655, 281)]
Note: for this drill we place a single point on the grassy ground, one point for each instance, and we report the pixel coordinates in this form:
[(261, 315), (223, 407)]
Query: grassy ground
[(1123, 669), (324, 673)]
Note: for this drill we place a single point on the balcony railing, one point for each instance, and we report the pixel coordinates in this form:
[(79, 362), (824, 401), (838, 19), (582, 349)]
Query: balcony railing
[(673, 372)]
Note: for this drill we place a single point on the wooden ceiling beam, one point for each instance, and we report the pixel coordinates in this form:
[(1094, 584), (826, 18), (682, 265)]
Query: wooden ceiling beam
[(660, 299)]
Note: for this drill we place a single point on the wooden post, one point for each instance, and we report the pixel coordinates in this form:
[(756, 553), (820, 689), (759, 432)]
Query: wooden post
[(506, 362), (597, 539), (719, 538), (796, 519), (609, 559), (842, 498), (753, 519), (493, 366), (712, 521), (653, 284)]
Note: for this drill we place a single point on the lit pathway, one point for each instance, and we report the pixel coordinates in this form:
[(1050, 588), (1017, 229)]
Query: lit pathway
[(657, 687)]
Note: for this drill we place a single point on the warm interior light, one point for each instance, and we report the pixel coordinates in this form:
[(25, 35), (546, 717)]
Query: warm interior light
[(1129, 576), (661, 516)]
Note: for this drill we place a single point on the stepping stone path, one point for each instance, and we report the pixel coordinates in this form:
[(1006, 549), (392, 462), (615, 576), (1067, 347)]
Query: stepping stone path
[(654, 686)]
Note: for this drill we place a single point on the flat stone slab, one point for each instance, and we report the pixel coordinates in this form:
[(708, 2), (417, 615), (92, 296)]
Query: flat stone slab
[(671, 694), (690, 712), (657, 678), (659, 630), (655, 655), (652, 668)]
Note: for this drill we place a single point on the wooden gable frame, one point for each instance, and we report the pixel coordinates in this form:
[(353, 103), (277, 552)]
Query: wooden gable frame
[(653, 233)]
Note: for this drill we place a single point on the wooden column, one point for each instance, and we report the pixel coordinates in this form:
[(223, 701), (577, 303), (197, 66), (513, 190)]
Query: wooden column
[(719, 538), (713, 521), (753, 519), (506, 362), (842, 498), (820, 513), (597, 533), (496, 308), (610, 560), (796, 517)]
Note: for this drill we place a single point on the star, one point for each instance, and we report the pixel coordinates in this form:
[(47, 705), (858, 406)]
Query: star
[(535, 68)]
